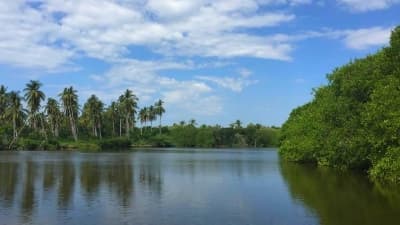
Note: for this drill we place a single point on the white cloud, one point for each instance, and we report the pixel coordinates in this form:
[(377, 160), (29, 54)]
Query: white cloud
[(181, 96), (364, 38), (105, 29), (27, 39), (236, 84), (50, 34), (367, 5)]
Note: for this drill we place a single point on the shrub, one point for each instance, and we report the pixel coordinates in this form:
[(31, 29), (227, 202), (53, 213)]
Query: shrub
[(388, 168), (114, 143)]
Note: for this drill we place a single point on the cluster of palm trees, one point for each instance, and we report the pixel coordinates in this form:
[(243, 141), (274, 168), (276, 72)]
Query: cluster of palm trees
[(54, 114), (150, 114)]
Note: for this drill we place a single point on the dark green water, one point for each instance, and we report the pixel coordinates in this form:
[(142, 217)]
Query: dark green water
[(184, 187)]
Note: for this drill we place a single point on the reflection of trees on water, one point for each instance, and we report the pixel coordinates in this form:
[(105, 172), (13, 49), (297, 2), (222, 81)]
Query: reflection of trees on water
[(339, 197), (66, 184), (64, 180), (119, 178), (150, 176), (28, 192), (8, 182), (232, 166), (90, 177), (49, 176)]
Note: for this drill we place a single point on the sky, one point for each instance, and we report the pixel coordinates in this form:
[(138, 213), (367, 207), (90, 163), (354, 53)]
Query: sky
[(212, 60)]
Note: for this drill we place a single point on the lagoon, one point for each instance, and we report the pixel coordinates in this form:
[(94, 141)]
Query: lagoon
[(185, 186)]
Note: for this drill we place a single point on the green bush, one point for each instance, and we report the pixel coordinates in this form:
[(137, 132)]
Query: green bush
[(354, 121), (160, 140), (29, 144), (114, 143), (388, 168)]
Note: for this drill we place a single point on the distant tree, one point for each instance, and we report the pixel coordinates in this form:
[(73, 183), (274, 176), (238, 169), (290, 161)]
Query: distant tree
[(3, 102), (34, 96), (93, 111), (128, 102), (151, 116), (237, 124), (114, 114), (69, 100), (143, 118), (159, 109), (54, 116), (16, 112)]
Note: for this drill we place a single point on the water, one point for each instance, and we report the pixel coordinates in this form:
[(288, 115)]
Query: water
[(182, 187)]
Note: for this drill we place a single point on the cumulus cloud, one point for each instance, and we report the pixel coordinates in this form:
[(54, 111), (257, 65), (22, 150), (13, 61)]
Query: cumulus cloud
[(28, 40), (236, 84), (143, 77), (365, 38), (48, 33), (370, 5)]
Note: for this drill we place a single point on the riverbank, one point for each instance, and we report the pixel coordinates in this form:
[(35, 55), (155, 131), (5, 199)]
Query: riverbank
[(99, 145), (353, 121)]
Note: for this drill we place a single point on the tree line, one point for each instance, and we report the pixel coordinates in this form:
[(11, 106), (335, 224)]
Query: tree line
[(53, 119), (354, 121), (29, 120)]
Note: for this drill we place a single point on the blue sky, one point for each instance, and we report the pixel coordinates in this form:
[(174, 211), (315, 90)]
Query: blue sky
[(212, 60)]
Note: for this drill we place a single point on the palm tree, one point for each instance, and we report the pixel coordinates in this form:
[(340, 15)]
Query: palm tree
[(151, 113), (236, 125), (33, 97), (3, 102), (15, 111), (114, 113), (192, 122), (128, 103), (54, 115), (159, 109), (142, 118), (93, 110), (69, 100)]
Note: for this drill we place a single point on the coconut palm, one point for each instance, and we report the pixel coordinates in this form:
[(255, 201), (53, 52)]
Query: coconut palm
[(69, 100), (54, 116), (114, 114), (151, 113), (93, 110), (192, 122), (3, 101), (236, 125), (159, 109), (15, 112), (128, 102), (33, 96), (142, 118)]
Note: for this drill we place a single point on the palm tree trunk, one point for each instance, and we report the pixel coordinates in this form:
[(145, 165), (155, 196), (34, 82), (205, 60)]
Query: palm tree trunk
[(127, 125), (43, 128), (113, 127), (160, 124), (151, 125), (15, 135), (100, 136), (73, 128), (56, 133), (34, 122), (94, 130), (120, 127)]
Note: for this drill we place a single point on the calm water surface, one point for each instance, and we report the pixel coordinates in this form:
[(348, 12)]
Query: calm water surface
[(184, 187)]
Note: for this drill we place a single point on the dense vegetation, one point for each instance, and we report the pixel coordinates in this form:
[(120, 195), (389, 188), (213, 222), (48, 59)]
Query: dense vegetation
[(354, 121), (62, 124)]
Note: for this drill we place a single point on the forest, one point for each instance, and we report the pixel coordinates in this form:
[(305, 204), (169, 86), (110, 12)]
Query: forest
[(30, 121), (353, 122)]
